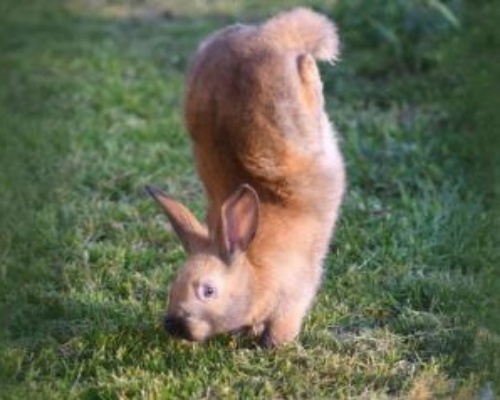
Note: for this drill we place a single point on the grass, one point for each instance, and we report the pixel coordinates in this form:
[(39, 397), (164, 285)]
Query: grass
[(91, 111)]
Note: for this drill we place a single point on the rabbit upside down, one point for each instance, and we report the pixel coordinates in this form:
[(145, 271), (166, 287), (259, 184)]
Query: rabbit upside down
[(273, 175)]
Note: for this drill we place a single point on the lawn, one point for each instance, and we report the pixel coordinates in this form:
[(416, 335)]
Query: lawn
[(91, 111)]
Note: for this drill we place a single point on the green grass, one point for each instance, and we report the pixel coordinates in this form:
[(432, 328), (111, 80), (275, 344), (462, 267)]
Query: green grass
[(90, 111)]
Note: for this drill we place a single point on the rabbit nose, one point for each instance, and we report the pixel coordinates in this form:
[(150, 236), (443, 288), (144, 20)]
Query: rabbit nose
[(176, 326)]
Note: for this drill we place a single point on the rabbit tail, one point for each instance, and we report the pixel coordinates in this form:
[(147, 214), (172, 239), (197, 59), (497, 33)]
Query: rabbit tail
[(305, 31)]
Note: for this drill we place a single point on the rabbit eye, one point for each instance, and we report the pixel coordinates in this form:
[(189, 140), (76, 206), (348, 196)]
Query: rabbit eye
[(207, 291)]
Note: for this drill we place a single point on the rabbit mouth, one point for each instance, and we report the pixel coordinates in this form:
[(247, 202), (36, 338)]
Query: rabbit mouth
[(187, 328), (177, 327)]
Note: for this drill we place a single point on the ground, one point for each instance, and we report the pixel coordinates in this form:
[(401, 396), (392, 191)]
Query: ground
[(90, 111)]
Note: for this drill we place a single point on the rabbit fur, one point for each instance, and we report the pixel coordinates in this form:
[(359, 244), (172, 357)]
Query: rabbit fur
[(268, 158)]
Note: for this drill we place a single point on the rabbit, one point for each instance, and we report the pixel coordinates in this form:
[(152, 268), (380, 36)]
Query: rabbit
[(273, 174)]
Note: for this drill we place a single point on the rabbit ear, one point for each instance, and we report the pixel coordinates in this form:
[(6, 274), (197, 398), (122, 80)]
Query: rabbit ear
[(191, 233), (240, 218)]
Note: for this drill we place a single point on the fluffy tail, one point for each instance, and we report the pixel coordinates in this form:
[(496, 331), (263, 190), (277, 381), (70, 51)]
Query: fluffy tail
[(304, 30)]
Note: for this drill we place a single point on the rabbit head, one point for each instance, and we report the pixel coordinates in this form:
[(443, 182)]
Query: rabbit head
[(212, 292)]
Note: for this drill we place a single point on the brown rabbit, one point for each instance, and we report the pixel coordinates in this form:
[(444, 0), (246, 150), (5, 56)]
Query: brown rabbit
[(274, 177)]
